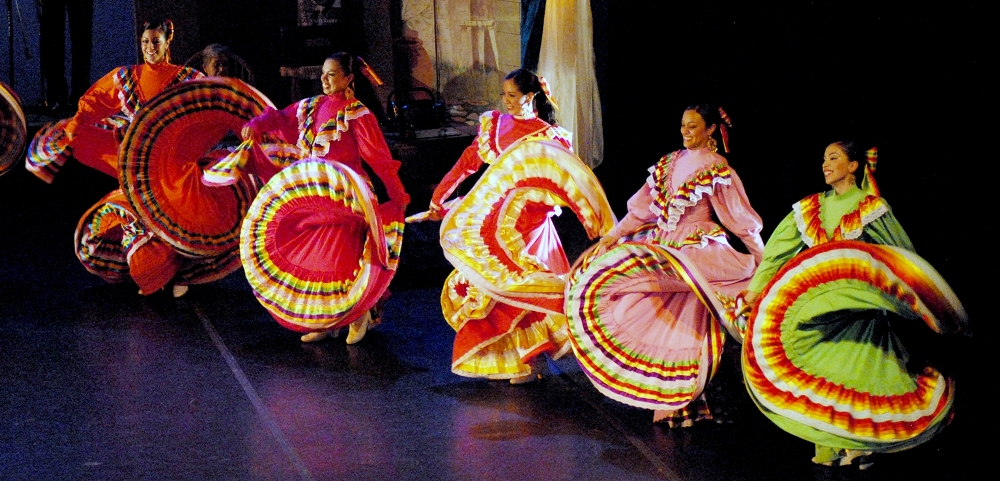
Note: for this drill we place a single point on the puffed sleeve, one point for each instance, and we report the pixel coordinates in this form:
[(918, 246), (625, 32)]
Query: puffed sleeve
[(97, 103), (886, 230), (284, 123), (785, 242), (375, 152), (731, 205), (638, 213), (468, 164)]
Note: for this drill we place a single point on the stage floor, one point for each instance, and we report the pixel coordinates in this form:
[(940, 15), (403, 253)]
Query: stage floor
[(99, 383)]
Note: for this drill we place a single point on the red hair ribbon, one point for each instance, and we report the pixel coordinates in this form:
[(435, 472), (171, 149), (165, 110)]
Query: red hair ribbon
[(548, 91), (726, 121), (868, 182), (370, 73)]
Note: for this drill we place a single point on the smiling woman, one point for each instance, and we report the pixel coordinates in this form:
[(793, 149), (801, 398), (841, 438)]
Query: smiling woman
[(838, 168), (647, 305), (843, 311), (104, 112)]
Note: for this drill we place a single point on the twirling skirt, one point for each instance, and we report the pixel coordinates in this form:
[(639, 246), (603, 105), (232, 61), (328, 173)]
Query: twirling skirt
[(169, 142), (821, 359), (316, 249), (505, 299), (13, 128)]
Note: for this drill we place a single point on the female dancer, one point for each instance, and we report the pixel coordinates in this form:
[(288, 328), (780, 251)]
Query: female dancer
[(823, 358), (93, 135), (503, 325), (339, 252), (113, 244), (13, 128), (641, 303)]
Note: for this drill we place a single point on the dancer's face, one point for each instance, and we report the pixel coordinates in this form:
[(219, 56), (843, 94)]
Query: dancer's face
[(215, 67), (154, 46), (838, 169), (693, 130), (333, 78), (512, 97)]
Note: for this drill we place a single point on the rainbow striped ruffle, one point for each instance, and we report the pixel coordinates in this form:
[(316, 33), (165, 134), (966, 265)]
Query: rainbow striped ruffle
[(230, 168), (480, 235), (627, 340), (13, 128), (160, 167), (821, 359), (292, 255), (103, 245), (99, 235), (48, 151)]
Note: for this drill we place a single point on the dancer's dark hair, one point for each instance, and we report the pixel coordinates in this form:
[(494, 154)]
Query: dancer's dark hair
[(362, 86), (527, 82)]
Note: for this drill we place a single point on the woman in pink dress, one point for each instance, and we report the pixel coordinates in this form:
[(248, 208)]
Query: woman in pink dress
[(645, 304)]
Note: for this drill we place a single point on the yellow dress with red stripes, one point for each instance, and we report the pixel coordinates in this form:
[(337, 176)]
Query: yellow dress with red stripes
[(505, 297)]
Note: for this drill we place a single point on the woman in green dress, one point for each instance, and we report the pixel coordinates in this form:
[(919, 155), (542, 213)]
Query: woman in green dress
[(823, 356)]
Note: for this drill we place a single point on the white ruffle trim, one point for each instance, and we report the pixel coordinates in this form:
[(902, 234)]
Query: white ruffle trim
[(678, 205)]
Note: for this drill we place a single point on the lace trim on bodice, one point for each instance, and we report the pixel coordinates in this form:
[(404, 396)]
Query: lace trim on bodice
[(489, 136), (670, 206), (317, 144), (810, 225)]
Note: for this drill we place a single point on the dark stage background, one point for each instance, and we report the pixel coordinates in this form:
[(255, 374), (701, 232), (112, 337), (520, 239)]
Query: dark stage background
[(796, 78)]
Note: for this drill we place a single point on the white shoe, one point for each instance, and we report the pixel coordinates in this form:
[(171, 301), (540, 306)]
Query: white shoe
[(315, 336), (180, 291), (525, 379), (358, 329)]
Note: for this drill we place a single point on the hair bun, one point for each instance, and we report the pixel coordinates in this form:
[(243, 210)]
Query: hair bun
[(169, 26)]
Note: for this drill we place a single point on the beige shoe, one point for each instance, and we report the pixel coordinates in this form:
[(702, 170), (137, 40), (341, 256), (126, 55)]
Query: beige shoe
[(525, 379), (315, 336), (180, 291), (358, 329)]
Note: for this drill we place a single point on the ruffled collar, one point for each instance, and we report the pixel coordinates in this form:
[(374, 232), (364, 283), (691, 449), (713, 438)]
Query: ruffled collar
[(316, 142), (808, 215), (668, 204)]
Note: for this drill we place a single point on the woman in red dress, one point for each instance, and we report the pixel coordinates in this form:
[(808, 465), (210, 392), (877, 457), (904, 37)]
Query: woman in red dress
[(319, 260), (93, 135), (503, 321)]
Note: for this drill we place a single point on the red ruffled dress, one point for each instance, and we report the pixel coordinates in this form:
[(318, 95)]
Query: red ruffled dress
[(317, 247), (500, 327), (104, 112)]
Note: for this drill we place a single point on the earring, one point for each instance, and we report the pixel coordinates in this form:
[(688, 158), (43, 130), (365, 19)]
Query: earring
[(713, 145), (527, 107), (349, 92)]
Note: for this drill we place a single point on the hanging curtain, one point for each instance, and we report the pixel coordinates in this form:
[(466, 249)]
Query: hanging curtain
[(532, 13), (566, 60)]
